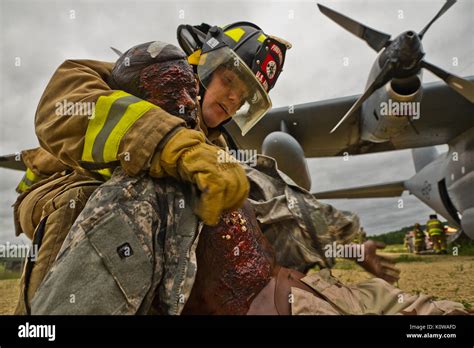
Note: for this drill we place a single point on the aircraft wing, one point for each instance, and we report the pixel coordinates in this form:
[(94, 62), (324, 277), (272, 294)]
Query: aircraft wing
[(444, 115), (393, 189), (309, 124)]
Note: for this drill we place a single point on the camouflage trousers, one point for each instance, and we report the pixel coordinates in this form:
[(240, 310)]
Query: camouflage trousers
[(134, 240), (373, 296), (45, 214)]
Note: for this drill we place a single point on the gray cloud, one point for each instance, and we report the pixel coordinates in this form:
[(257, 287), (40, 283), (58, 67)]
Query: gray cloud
[(43, 34)]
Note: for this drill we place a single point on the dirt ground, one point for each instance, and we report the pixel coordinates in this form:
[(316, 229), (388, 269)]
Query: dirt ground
[(443, 276), (8, 295)]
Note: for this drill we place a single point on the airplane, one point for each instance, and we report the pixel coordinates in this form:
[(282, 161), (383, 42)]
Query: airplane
[(443, 182)]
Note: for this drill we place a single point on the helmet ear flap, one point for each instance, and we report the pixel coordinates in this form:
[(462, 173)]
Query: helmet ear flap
[(190, 38)]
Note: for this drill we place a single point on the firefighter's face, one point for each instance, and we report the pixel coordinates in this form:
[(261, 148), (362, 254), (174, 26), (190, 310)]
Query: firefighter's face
[(224, 96)]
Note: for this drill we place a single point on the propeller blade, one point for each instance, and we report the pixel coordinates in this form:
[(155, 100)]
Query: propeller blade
[(116, 51), (382, 78), (445, 7), (376, 39), (10, 162), (460, 85)]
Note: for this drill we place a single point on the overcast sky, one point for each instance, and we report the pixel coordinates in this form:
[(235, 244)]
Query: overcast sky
[(42, 34)]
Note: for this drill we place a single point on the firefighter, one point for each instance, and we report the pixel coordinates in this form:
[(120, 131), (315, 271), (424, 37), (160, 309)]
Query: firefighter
[(236, 66), (419, 238), (408, 242), (436, 232)]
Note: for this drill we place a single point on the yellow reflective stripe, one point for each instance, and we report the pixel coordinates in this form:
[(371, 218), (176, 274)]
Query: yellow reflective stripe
[(97, 121), (116, 112), (261, 38), (28, 180), (31, 176), (194, 57), (22, 186), (235, 34), (433, 230), (133, 113), (106, 173)]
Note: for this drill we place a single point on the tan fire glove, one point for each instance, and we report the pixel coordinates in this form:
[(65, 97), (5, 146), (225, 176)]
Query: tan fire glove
[(219, 177)]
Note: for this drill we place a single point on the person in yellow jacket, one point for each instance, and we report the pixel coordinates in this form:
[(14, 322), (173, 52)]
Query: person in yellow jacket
[(94, 116), (419, 238), (437, 234)]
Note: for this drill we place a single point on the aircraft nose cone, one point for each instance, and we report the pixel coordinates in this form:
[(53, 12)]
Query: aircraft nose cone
[(411, 39)]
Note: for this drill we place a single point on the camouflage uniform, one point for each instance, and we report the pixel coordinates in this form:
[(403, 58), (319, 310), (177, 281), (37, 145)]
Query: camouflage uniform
[(137, 237)]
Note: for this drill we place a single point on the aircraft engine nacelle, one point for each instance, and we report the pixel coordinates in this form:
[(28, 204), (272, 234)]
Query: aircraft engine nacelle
[(390, 109), (289, 155), (467, 222)]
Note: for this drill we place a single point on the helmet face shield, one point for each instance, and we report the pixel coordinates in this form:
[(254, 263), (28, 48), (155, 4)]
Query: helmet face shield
[(250, 101)]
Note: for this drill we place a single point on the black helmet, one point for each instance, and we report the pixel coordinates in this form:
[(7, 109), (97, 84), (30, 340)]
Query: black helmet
[(263, 56)]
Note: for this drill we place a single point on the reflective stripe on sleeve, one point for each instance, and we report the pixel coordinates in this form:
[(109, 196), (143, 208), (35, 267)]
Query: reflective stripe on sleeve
[(113, 116)]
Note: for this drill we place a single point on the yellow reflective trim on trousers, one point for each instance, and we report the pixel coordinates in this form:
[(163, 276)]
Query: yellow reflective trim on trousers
[(97, 121), (134, 112)]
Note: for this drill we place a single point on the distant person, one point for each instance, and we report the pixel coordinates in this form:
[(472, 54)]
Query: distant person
[(408, 242), (419, 236), (437, 234)]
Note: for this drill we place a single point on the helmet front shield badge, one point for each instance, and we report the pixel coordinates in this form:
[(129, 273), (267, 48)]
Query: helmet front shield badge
[(224, 64)]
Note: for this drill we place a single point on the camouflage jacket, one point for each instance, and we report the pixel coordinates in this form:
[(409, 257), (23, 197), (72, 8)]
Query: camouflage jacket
[(134, 243)]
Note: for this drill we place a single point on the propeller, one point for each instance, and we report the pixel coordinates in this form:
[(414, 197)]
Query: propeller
[(382, 78), (445, 7), (394, 64), (117, 52), (375, 39), (460, 85)]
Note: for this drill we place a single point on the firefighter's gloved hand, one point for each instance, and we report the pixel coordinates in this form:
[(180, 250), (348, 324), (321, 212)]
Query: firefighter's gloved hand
[(219, 177)]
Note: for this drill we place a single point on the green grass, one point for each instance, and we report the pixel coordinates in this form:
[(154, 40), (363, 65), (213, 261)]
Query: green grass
[(466, 304), (346, 264), (464, 248), (9, 275), (411, 258), (394, 248)]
